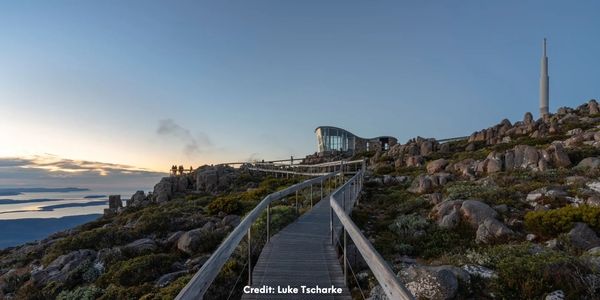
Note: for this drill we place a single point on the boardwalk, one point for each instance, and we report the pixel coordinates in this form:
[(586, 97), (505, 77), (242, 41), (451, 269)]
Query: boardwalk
[(301, 254)]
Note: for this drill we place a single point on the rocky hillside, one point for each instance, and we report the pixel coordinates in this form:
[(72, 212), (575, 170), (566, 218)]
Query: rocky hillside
[(151, 248), (513, 212)]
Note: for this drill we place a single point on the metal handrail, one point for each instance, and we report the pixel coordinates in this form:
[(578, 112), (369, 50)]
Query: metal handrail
[(454, 139), (202, 280), (325, 164), (392, 287)]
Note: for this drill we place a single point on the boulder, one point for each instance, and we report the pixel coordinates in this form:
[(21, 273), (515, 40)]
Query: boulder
[(476, 212), (493, 165), (559, 156), (163, 190), (480, 271), (528, 118), (594, 251), (451, 219), (402, 179), (435, 198), (141, 246), (553, 127), (174, 237), (190, 241), (489, 165), (114, 202), (421, 184), (444, 208), (437, 165), (183, 183), (430, 282), (444, 148), (62, 267), (594, 186), (492, 230), (593, 107), (593, 201), (502, 208), (414, 161), (427, 147), (389, 180), (440, 179), (554, 244), (213, 178), (583, 237), (556, 295), (231, 220), (526, 157), (575, 131), (591, 163), (398, 163), (108, 254), (138, 199), (465, 167), (168, 278), (556, 192)]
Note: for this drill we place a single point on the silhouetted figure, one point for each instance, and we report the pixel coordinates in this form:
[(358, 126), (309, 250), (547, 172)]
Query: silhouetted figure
[(173, 170), (180, 170), (191, 169)]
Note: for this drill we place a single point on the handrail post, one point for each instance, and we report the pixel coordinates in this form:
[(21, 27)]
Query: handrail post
[(331, 223), (344, 200), (358, 189), (268, 222), (249, 257), (311, 195), (345, 258), (297, 210), (321, 190)]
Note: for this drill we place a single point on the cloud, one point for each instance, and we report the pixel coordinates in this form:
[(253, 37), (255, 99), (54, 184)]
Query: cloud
[(192, 144), (53, 171)]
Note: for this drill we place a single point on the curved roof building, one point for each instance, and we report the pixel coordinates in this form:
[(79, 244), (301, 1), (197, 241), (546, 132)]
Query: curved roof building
[(331, 138)]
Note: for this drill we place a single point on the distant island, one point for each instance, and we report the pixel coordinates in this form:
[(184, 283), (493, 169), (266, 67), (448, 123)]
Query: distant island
[(94, 196), (19, 191), (16, 232)]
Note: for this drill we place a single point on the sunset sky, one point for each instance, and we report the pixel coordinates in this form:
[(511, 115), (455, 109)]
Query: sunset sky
[(147, 84)]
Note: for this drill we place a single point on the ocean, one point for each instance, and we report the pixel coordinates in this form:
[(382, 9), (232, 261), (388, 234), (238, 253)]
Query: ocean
[(31, 216)]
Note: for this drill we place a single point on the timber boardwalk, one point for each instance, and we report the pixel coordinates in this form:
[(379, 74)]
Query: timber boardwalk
[(301, 254)]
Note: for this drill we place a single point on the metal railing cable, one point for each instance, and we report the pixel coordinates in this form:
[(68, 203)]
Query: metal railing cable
[(263, 240), (386, 278), (339, 244)]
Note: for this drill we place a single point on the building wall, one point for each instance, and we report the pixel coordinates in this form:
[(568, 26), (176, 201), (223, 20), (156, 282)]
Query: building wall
[(337, 139)]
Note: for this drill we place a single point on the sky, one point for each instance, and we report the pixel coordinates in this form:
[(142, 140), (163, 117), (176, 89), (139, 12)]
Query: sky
[(147, 84)]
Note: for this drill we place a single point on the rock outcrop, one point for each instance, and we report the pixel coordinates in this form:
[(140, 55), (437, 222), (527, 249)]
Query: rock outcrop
[(62, 267), (589, 163), (138, 199), (480, 216), (583, 237), (426, 183), (208, 179), (433, 282), (436, 166)]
